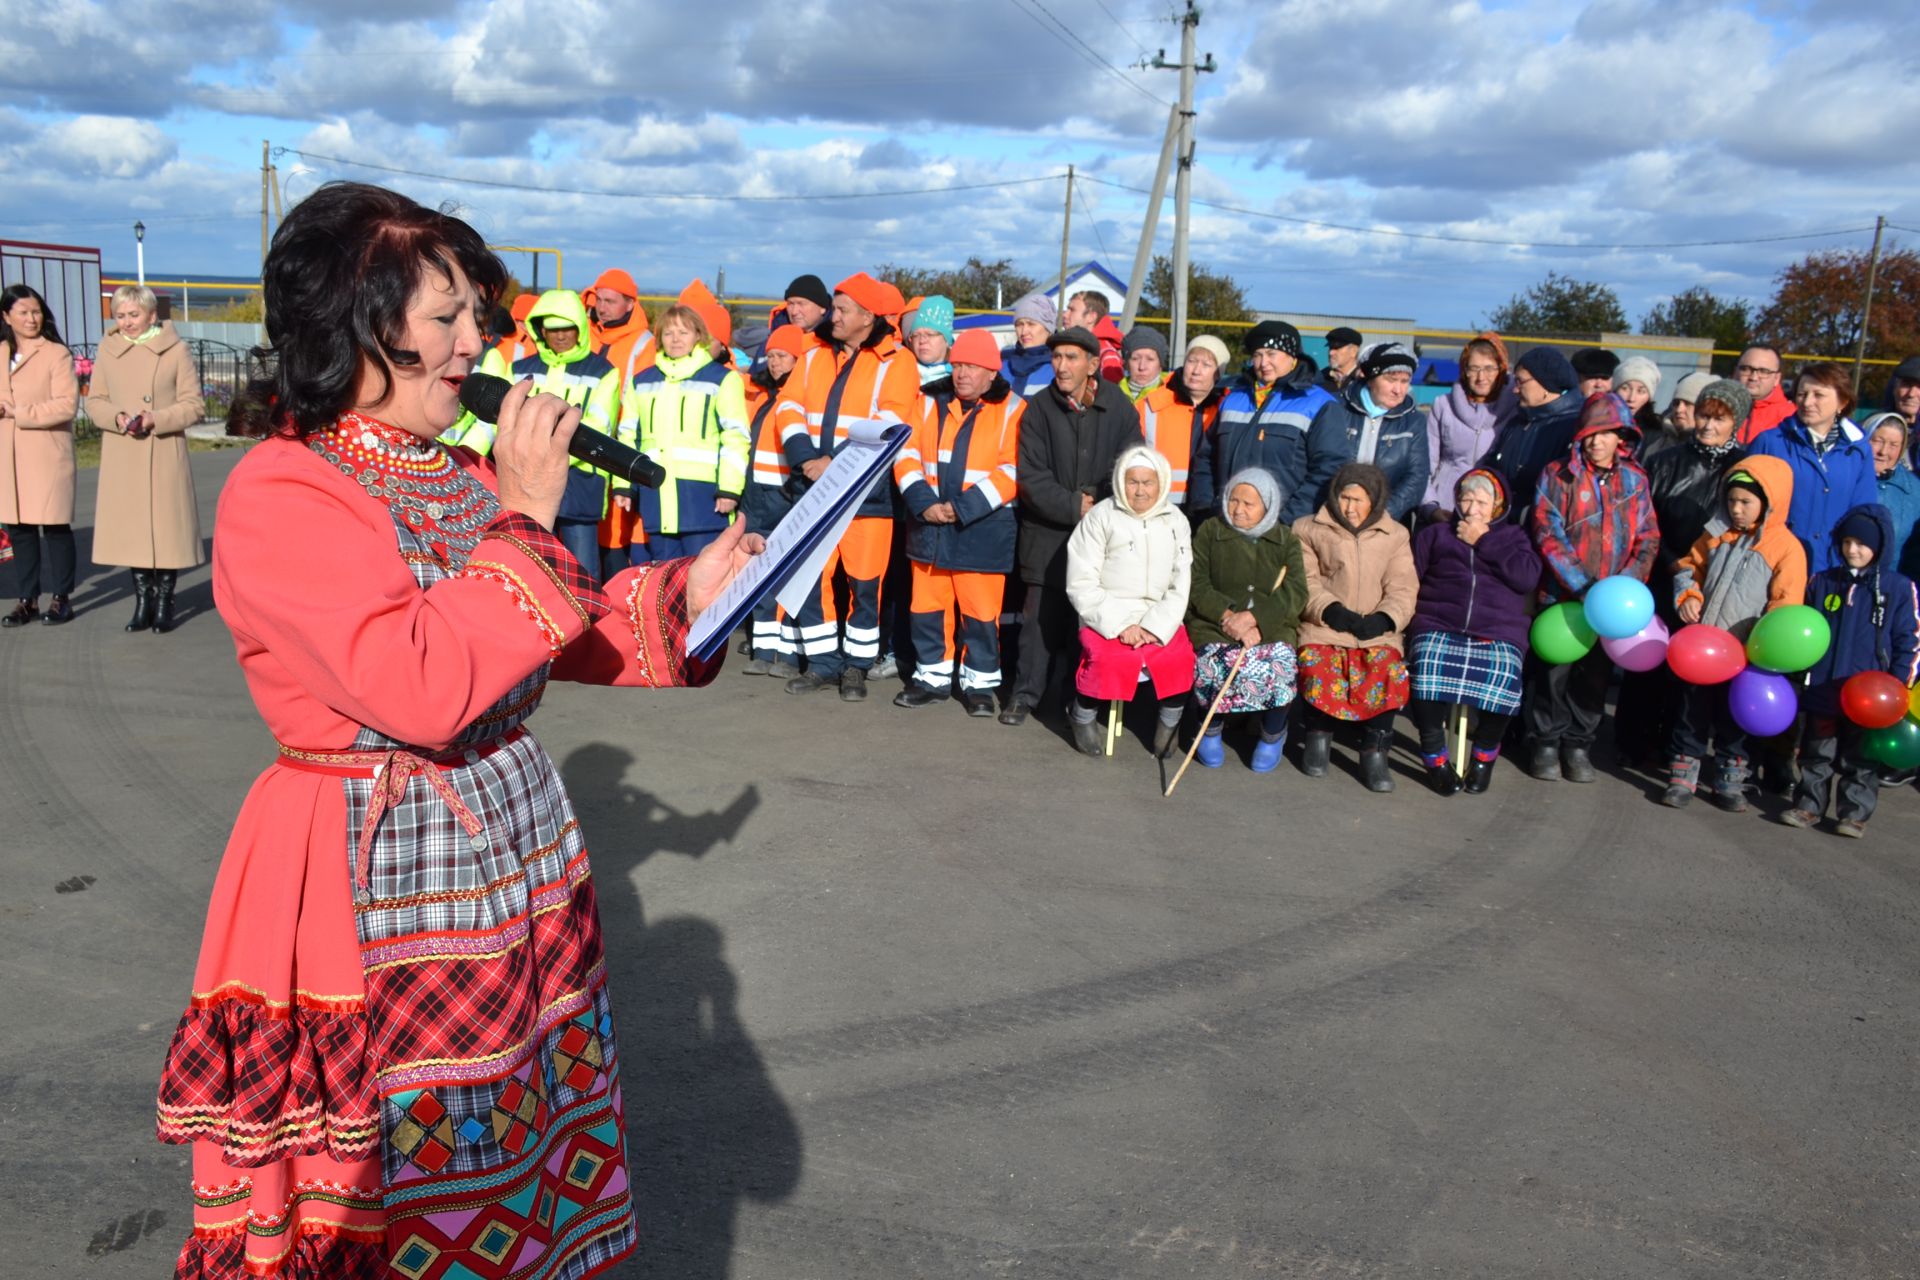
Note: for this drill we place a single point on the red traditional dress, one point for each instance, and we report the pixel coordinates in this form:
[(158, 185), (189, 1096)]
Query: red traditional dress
[(399, 1057)]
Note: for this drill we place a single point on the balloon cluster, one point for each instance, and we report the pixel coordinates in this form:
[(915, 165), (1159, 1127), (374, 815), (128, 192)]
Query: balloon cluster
[(1890, 714)]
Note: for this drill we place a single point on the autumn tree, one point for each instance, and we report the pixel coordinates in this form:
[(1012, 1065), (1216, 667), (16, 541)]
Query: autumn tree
[(1561, 304), (1700, 313), (1210, 296), (982, 286), (1817, 303)]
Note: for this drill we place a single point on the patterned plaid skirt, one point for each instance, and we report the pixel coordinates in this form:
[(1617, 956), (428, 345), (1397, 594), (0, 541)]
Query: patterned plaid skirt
[(1450, 667), (1353, 684), (1268, 678)]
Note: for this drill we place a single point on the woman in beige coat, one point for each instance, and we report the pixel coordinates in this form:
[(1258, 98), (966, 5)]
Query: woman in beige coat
[(38, 398), (145, 395), (1361, 588)]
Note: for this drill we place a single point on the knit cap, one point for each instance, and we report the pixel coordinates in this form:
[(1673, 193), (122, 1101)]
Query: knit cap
[(1037, 307), (977, 347), (1731, 394), (936, 313), (1212, 346), (1594, 362), (1861, 527), (1277, 335), (1383, 356), (1690, 387), (1144, 336), (812, 288), (1739, 479), (1550, 369), (1641, 370)]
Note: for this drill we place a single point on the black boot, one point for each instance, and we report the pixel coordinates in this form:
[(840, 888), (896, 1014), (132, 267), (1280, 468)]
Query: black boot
[(163, 580), (1373, 760), (1479, 776), (1443, 779), (142, 600), (1316, 752), (24, 612), (59, 610)]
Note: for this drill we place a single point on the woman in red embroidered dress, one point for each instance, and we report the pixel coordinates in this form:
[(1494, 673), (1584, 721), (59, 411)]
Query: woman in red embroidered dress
[(399, 1056)]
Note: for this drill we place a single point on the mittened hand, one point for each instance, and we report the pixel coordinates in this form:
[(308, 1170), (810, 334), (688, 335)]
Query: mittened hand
[(1341, 618), (1373, 626)]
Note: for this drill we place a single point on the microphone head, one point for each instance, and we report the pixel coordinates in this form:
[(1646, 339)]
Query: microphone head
[(482, 394)]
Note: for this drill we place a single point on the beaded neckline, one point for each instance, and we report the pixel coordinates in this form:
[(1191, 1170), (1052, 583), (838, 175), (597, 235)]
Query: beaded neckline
[(420, 483)]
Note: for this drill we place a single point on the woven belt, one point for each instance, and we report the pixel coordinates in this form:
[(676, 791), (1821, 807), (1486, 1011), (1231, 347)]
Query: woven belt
[(391, 771)]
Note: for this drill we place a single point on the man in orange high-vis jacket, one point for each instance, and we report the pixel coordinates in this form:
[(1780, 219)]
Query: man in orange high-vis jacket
[(861, 372), (958, 476), (520, 345), (774, 644), (620, 331), (1176, 416)]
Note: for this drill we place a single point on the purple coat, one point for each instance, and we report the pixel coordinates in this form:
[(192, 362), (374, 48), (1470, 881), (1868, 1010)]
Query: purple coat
[(1479, 590), (1459, 434)]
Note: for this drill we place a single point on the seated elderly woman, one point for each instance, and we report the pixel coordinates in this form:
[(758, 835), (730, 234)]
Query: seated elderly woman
[(1360, 592), (1129, 563), (1241, 607), (1470, 626)]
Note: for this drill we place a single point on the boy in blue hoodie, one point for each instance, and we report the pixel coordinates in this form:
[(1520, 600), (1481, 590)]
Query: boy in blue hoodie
[(1874, 614)]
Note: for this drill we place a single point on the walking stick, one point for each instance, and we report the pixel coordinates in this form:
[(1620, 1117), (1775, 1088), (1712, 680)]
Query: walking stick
[(1218, 698), (1460, 756)]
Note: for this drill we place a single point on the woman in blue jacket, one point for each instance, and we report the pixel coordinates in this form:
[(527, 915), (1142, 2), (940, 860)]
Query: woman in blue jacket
[(1377, 420), (1832, 466)]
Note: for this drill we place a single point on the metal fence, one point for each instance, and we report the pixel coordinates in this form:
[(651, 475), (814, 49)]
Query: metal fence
[(223, 370)]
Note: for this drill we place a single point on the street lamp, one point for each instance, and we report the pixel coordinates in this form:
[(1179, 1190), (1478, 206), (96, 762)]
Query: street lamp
[(140, 252)]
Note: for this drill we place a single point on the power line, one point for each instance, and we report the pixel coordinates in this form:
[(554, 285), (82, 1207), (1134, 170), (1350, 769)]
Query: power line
[(1144, 51), (1063, 33), (1093, 222), (542, 189), (1500, 244)]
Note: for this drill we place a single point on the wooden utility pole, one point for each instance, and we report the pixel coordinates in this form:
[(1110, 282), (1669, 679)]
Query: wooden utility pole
[(1143, 256), (1183, 176), (266, 178), (1866, 308), (1066, 235)]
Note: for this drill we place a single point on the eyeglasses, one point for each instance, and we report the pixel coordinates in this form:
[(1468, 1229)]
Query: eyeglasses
[(1756, 370)]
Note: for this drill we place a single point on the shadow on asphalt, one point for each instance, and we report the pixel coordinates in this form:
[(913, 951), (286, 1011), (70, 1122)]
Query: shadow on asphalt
[(706, 1129)]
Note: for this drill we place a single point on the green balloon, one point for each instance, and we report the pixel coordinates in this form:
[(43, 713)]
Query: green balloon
[(1561, 635), (1788, 639), (1897, 747)]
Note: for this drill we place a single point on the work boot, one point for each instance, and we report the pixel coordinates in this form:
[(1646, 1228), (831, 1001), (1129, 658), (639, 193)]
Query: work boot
[(1212, 751), (59, 610), (1730, 785), (1683, 775), (1088, 739), (807, 682), (914, 695), (1016, 712), (1374, 771), (980, 705), (1544, 762), (1163, 734), (757, 667), (1266, 755), (163, 580), (142, 600), (1575, 764), (1480, 776), (1316, 753), (1443, 778), (853, 685), (23, 613), (782, 670)]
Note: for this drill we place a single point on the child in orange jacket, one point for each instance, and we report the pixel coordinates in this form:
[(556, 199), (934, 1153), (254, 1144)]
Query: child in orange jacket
[(1746, 563)]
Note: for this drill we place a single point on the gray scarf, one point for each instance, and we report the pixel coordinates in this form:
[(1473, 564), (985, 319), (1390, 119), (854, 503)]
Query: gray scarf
[(1262, 482)]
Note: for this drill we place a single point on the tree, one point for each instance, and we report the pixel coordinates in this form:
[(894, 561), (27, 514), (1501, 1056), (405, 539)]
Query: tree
[(1699, 313), (248, 310), (1209, 297), (1816, 307), (979, 285), (1561, 304)]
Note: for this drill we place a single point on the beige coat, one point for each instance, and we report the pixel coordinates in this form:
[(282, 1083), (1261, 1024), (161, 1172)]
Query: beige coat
[(147, 516), (36, 436), (1369, 572)]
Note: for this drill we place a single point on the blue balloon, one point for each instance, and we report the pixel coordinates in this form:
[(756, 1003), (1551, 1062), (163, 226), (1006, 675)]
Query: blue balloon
[(1763, 703), (1618, 607)]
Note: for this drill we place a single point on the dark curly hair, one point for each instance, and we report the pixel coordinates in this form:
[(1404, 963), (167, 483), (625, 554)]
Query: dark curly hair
[(12, 294), (337, 281)]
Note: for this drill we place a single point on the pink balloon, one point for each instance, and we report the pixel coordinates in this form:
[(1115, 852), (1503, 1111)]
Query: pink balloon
[(1644, 650)]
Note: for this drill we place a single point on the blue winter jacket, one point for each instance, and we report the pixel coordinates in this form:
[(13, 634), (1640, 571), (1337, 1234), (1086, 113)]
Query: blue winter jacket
[(1026, 369), (1334, 440), (1825, 487), (1900, 495), (1272, 437), (1535, 439), (1875, 618)]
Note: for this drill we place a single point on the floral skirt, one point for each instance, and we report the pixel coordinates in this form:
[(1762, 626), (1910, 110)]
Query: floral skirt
[(1111, 672), (1269, 677), (1450, 667), (1353, 684)]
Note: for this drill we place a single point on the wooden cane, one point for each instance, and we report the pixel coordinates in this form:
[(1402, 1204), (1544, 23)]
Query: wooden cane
[(1218, 698), (1113, 723)]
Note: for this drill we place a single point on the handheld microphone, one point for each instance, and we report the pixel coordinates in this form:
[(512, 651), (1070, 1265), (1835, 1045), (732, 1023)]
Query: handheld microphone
[(482, 394)]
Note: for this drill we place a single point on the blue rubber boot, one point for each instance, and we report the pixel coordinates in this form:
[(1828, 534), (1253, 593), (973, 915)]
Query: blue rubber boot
[(1213, 752), (1266, 755)]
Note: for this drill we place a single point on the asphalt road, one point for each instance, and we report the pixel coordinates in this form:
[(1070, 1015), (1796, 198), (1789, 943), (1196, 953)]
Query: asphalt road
[(908, 994)]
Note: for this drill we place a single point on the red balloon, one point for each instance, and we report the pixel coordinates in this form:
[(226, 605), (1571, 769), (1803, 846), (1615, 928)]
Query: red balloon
[(1700, 654), (1874, 700)]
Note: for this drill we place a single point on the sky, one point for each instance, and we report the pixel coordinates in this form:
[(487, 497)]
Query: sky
[(1353, 156)]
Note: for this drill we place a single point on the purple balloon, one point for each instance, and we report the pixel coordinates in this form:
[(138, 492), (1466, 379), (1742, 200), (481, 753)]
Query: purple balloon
[(1644, 650), (1762, 702)]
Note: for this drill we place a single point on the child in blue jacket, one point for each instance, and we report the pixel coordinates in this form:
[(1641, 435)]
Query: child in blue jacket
[(1874, 614)]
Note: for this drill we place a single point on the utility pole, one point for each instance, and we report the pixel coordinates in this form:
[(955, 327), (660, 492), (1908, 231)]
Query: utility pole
[(1183, 176), (1066, 234), (1866, 309), (266, 170), (1143, 255)]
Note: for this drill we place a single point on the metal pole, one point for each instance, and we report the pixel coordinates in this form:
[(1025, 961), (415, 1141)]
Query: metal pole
[(1143, 256), (139, 255), (1066, 234), (1183, 179), (265, 170), (1866, 309)]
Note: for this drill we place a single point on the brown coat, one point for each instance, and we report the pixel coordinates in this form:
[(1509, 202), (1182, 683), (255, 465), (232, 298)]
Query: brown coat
[(147, 516), (1369, 572), (36, 436)]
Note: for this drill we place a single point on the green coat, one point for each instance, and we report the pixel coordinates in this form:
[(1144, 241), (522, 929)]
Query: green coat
[(1228, 567)]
